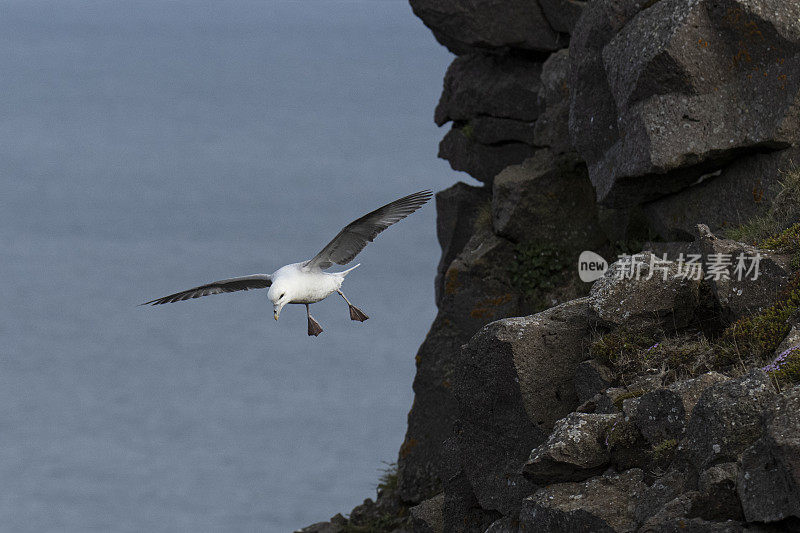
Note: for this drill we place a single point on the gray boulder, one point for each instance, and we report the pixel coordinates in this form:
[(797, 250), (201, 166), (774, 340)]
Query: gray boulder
[(682, 88), (475, 291), (736, 297), (427, 516), (547, 198), (513, 382), (601, 504), (661, 415), (457, 210), (729, 196), (575, 451), (496, 86), (552, 126), (494, 130), (562, 14), (718, 499), (727, 419), (464, 26), (619, 298), (481, 161), (591, 378), (769, 481)]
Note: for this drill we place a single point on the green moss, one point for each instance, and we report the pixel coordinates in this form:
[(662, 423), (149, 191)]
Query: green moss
[(619, 400), (537, 268), (757, 336), (663, 450), (623, 434), (468, 130), (787, 242)]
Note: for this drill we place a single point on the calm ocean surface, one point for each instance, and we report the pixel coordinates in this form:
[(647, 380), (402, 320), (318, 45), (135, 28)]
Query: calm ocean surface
[(146, 147)]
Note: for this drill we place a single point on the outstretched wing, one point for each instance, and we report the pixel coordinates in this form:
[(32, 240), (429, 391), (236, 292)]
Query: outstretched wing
[(355, 236), (245, 283)]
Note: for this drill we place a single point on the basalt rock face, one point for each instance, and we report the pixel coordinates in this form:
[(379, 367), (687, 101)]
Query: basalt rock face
[(587, 123), (676, 89), (630, 403)]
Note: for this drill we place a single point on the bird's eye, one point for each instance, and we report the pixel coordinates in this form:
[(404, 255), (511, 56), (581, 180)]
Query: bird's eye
[(283, 294)]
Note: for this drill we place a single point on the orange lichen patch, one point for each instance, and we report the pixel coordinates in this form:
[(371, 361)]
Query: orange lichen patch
[(451, 283), (486, 308), (418, 359), (481, 312), (758, 194), (407, 446)]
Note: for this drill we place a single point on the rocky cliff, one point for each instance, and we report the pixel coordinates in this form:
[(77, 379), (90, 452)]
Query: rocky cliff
[(661, 401)]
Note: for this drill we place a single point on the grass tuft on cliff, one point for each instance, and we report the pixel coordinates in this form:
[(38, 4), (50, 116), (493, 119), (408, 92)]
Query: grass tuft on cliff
[(759, 335), (782, 214), (539, 269)]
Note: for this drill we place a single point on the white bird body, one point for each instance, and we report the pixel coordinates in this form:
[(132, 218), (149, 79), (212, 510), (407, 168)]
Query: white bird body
[(303, 285), (306, 282)]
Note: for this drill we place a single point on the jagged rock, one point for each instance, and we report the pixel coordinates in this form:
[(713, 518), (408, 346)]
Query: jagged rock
[(769, 481), (562, 14), (680, 515), (513, 383), (736, 297), (663, 490), (681, 90), (477, 287), (476, 291), (494, 130), (481, 161), (463, 26), (427, 516), (552, 126), (504, 525), (718, 499), (728, 197), (549, 199), (669, 304), (496, 86), (337, 524), (593, 111), (661, 415), (690, 390), (727, 419), (601, 504), (461, 513), (457, 209), (575, 450), (591, 378)]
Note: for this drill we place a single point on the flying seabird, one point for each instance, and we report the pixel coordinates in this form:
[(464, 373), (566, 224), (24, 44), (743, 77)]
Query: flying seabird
[(306, 282)]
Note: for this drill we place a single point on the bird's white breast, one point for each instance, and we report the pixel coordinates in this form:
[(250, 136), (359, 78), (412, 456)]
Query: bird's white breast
[(308, 286)]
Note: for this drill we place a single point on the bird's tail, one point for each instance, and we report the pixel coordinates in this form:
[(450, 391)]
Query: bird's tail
[(345, 272)]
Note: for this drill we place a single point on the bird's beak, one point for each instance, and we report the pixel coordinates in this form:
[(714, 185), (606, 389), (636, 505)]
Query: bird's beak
[(276, 314)]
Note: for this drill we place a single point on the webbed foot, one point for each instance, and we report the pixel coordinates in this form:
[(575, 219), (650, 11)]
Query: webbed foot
[(357, 314)]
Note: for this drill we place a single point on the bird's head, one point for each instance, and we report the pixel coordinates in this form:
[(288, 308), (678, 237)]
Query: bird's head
[(279, 295)]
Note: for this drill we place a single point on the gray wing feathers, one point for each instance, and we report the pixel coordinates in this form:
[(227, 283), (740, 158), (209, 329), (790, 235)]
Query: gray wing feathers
[(355, 236), (244, 283)]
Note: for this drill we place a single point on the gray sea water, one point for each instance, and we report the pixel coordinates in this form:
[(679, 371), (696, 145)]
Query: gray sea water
[(148, 146)]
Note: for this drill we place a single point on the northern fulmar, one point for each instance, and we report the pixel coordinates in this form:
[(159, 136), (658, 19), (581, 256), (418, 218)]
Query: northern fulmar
[(307, 282)]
